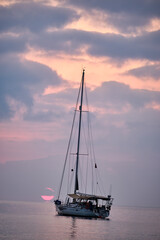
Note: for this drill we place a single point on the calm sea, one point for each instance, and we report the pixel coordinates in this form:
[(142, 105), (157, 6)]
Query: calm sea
[(38, 221)]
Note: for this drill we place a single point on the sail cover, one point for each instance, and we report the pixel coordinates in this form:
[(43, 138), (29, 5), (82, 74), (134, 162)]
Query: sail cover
[(77, 185), (87, 196)]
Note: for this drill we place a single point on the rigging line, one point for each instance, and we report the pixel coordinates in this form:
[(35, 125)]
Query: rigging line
[(93, 152), (92, 145), (88, 153), (86, 175), (87, 150), (69, 167), (69, 143), (98, 178), (91, 162), (71, 178), (101, 183), (87, 114), (73, 137), (90, 138), (90, 126), (87, 145), (97, 172), (71, 164), (84, 136)]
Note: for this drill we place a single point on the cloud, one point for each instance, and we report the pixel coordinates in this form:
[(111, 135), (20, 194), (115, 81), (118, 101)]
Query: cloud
[(146, 72), (13, 44), (53, 107), (148, 8), (20, 80), (124, 141), (40, 116), (117, 99), (125, 120), (115, 46), (124, 15), (34, 16), (126, 125), (118, 95), (37, 17), (67, 41)]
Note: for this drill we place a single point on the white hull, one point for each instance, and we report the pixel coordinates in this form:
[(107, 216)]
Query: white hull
[(71, 210)]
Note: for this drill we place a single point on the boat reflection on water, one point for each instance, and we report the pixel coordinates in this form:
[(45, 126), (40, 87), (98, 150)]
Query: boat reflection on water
[(73, 228)]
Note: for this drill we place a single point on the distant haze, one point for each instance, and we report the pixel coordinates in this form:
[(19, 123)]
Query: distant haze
[(44, 46)]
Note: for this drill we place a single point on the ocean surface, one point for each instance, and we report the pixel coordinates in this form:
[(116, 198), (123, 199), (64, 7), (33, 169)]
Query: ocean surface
[(39, 221)]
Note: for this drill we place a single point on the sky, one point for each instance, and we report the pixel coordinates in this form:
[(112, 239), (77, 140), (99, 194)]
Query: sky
[(44, 45)]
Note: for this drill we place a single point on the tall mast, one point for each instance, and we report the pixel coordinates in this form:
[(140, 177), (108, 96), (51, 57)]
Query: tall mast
[(76, 187)]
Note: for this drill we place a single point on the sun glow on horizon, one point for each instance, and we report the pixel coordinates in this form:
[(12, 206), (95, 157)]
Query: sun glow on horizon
[(47, 198)]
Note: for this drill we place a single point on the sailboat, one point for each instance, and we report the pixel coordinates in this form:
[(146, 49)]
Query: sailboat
[(82, 203)]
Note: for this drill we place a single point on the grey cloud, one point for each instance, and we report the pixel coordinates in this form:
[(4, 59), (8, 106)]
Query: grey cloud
[(52, 107), (118, 95), (127, 137), (149, 8), (5, 111), (71, 41), (68, 41), (34, 16), (12, 44), (115, 46), (129, 126), (110, 96), (131, 150), (46, 112), (40, 116), (146, 72), (142, 47), (20, 80), (124, 15), (127, 23)]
